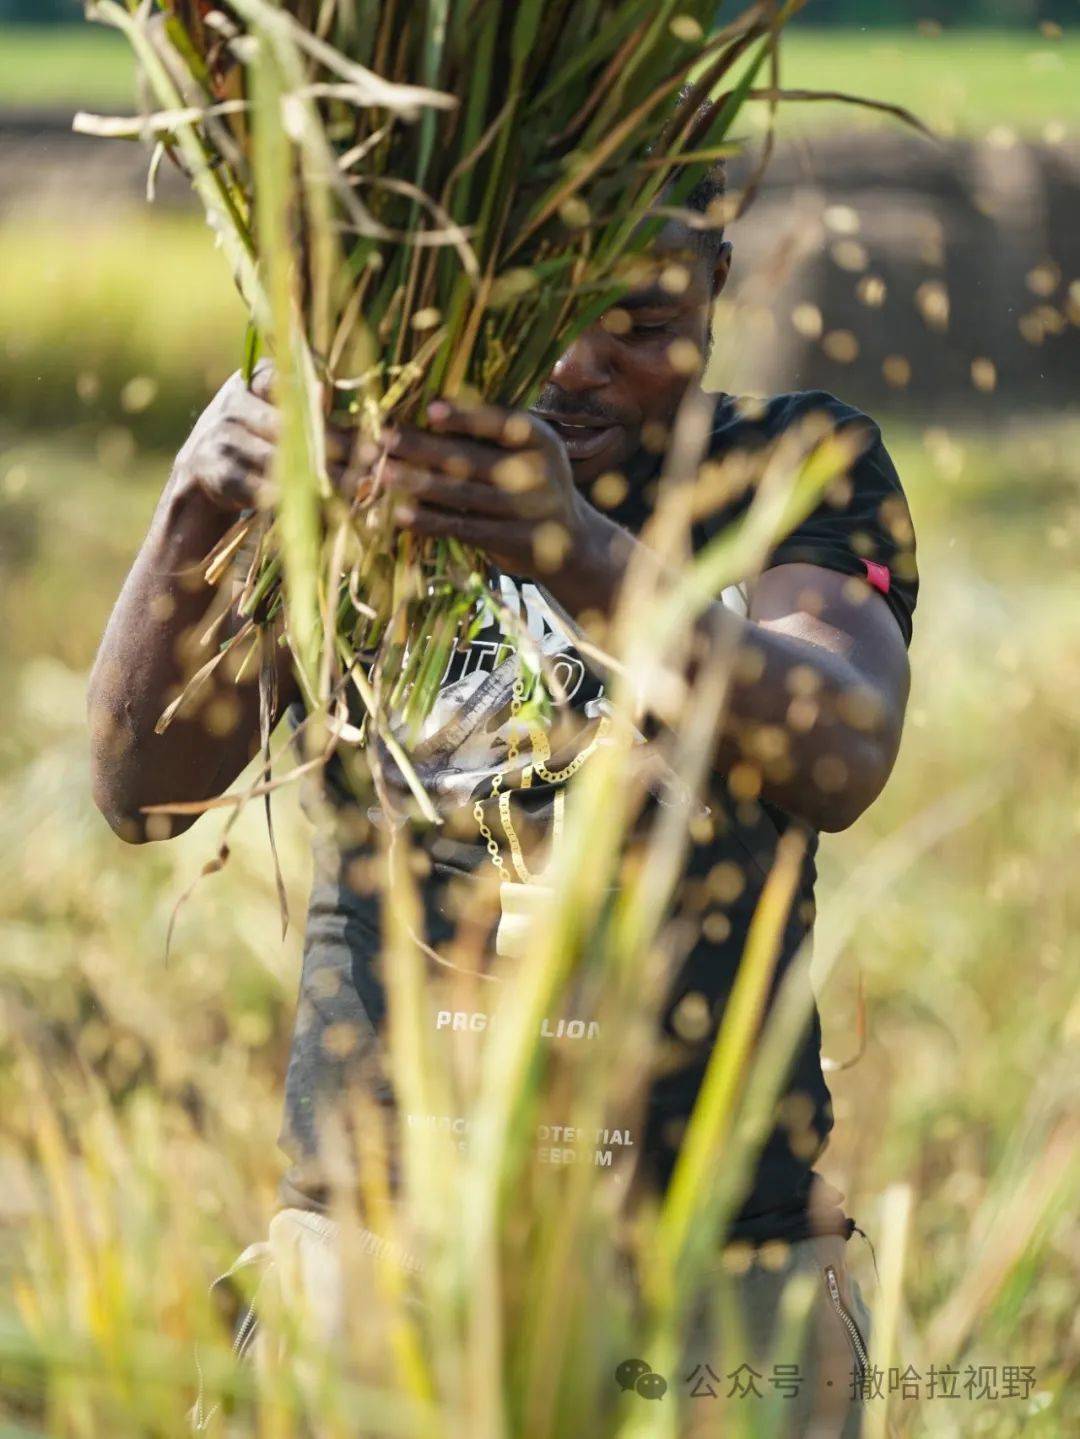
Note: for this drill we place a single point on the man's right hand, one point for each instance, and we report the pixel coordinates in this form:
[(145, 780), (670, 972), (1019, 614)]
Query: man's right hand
[(163, 630), (227, 456)]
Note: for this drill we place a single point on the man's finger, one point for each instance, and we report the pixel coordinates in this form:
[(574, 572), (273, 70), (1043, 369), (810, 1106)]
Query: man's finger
[(233, 486), (437, 489), (249, 450), (256, 415), (516, 472), (263, 420), (461, 458), (495, 536), (512, 429), (262, 380)]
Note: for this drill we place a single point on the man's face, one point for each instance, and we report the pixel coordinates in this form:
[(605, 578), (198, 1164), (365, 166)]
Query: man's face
[(631, 369)]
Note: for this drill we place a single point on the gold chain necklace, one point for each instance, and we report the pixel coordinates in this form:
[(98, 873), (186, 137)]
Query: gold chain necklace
[(541, 753), (496, 783)]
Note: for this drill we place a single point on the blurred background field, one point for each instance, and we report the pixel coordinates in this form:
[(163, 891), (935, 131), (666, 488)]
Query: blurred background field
[(139, 1101), (954, 79)]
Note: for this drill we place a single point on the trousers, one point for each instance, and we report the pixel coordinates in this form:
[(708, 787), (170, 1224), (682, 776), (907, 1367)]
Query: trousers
[(778, 1345), (777, 1338)]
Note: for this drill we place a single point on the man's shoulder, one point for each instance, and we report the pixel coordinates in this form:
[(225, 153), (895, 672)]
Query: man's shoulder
[(742, 420), (749, 423), (862, 525)]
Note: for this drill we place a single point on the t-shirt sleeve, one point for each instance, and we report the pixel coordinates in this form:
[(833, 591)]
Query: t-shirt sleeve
[(862, 525)]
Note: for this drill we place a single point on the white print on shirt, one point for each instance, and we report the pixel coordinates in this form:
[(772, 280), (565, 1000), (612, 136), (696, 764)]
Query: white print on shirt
[(465, 740), (459, 1020), (558, 1144)]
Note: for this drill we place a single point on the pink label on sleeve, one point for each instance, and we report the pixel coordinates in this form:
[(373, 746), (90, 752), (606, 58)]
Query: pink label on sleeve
[(878, 576)]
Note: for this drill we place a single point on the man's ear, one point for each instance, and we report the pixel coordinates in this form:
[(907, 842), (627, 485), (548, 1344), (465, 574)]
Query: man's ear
[(722, 268)]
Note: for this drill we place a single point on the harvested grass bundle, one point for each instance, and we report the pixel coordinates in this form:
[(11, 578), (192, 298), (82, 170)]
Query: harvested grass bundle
[(418, 201)]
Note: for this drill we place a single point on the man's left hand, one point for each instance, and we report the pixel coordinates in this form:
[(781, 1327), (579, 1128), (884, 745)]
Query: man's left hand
[(493, 478)]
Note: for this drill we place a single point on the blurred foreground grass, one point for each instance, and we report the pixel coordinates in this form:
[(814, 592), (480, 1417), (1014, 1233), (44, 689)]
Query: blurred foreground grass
[(962, 82), (139, 1102)]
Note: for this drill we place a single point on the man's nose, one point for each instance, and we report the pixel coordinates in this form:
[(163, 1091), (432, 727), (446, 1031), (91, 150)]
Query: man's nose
[(583, 366)]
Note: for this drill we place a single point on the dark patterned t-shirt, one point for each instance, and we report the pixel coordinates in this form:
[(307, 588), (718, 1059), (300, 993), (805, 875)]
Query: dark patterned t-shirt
[(472, 754)]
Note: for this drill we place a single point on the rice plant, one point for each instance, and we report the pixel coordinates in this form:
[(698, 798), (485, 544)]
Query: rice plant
[(414, 204)]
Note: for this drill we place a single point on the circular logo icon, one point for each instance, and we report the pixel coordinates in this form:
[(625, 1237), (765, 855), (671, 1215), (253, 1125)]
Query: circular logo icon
[(630, 1371), (651, 1386)]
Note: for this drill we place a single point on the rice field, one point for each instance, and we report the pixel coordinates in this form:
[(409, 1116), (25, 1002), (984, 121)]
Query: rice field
[(118, 1073), (140, 1101)]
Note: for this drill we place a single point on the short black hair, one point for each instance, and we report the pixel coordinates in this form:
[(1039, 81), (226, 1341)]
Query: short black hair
[(708, 195)]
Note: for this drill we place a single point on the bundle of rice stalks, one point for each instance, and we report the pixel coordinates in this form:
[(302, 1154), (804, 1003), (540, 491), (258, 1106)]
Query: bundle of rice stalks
[(419, 201)]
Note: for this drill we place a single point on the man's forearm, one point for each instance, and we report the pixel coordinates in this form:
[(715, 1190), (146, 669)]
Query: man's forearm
[(150, 648), (802, 728)]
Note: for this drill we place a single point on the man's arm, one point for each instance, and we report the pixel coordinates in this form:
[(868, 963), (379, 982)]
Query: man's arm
[(834, 681), (154, 640), (821, 678)]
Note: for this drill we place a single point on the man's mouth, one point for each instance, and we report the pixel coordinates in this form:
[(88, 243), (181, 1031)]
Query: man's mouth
[(583, 435)]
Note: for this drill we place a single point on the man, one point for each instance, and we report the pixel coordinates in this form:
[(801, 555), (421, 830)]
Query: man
[(826, 626)]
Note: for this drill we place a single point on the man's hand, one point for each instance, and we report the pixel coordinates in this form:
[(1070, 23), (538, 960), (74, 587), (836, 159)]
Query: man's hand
[(497, 479), (156, 635), (228, 454)]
